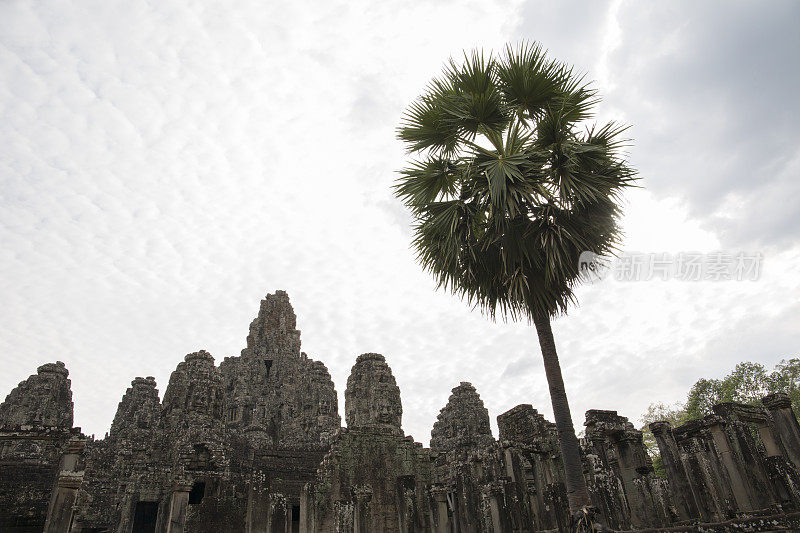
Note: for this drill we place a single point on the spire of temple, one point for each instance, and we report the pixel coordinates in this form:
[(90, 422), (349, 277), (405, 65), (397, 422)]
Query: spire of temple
[(463, 422), (42, 400), (194, 394), (273, 331), (139, 410)]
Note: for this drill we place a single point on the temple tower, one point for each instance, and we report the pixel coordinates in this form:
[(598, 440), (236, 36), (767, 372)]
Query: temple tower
[(275, 393), (463, 422)]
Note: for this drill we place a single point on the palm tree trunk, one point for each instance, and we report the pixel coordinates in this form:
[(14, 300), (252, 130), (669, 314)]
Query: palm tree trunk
[(577, 495)]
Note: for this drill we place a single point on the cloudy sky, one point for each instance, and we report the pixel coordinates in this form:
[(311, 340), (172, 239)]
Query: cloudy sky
[(164, 165)]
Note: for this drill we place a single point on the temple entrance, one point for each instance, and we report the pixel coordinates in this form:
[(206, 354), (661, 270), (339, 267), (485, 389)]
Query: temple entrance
[(144, 517), (295, 519), (197, 493)]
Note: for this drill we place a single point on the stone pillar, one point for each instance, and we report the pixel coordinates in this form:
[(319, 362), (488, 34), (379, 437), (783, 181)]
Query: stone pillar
[(442, 519), (786, 426), (306, 508), (642, 512), (277, 513), (768, 439), (257, 517), (735, 474), (178, 505), (681, 490), (406, 512), (362, 519), (491, 494), (459, 525), (59, 515), (62, 502), (343, 516)]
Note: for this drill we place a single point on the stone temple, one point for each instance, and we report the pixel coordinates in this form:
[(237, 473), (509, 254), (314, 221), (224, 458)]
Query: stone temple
[(256, 444)]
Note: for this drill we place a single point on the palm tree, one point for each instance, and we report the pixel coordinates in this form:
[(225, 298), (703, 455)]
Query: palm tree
[(508, 185)]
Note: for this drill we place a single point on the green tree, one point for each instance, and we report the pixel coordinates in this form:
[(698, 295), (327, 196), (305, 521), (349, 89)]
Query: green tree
[(786, 378), (703, 395), (674, 414), (748, 383), (507, 187)]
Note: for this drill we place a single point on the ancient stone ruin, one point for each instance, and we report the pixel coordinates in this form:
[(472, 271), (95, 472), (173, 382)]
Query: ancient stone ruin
[(255, 444)]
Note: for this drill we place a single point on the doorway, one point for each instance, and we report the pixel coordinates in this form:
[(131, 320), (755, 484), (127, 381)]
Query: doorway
[(144, 517)]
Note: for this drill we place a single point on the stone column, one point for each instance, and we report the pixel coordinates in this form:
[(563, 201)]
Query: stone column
[(343, 516), (257, 517), (768, 439), (277, 513), (459, 526), (642, 512), (509, 464), (681, 490), (69, 461), (406, 504), (492, 493), (735, 474), (178, 505), (62, 502), (362, 517), (442, 520), (307, 518), (59, 515), (786, 426)]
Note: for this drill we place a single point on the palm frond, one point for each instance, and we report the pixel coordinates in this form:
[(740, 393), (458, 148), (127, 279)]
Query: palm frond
[(508, 190)]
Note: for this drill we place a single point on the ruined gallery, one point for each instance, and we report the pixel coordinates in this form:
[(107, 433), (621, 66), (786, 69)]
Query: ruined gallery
[(256, 444)]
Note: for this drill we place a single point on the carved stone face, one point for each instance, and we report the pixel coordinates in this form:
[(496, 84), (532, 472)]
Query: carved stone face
[(372, 398), (385, 405), (200, 400), (384, 415)]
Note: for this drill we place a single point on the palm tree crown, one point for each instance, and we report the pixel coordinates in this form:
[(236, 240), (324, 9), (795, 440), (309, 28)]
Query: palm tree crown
[(509, 185)]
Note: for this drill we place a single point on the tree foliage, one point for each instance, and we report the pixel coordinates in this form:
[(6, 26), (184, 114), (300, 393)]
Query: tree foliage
[(748, 383), (509, 183)]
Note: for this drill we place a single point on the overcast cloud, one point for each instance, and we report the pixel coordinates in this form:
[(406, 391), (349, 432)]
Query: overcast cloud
[(165, 165)]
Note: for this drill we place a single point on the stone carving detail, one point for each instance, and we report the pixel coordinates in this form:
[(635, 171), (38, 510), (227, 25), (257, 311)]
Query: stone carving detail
[(372, 397), (463, 422), (43, 400)]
